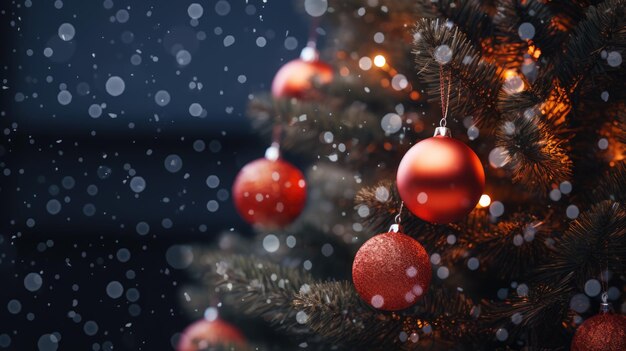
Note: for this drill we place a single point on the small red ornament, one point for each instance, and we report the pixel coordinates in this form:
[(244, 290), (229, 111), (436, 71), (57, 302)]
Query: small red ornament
[(297, 78), (204, 334), (603, 332), (269, 192), (440, 179), (391, 271)]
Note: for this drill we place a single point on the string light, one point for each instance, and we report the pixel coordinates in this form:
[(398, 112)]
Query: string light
[(380, 61), (484, 201)]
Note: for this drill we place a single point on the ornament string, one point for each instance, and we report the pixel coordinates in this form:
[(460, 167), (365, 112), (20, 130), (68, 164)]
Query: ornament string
[(445, 95), (312, 42)]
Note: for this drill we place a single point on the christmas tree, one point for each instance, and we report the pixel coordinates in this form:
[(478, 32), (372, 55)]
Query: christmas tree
[(535, 88)]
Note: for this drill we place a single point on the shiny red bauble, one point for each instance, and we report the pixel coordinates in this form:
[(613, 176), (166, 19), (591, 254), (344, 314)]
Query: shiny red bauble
[(205, 334), (391, 271), (298, 77), (602, 332), (440, 179), (269, 193)]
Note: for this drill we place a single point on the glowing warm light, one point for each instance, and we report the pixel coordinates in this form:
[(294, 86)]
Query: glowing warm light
[(510, 73), (380, 60), (484, 201), (534, 51)]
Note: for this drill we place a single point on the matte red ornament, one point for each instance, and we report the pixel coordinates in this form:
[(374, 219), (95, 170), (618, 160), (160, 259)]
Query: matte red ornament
[(391, 271), (440, 179), (297, 78), (603, 332), (204, 334), (269, 193)]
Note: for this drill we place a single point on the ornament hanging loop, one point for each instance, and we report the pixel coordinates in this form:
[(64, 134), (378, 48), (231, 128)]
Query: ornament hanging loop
[(396, 227), (605, 306), (273, 152)]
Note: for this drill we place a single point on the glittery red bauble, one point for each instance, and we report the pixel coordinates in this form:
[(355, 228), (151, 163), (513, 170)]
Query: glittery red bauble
[(297, 78), (391, 271), (204, 334), (440, 179), (269, 194), (602, 332)]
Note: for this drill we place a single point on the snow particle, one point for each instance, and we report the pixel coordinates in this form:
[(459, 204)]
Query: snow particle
[(377, 301), (66, 31), (115, 86), (222, 8), (315, 8), (138, 184), (572, 211), (496, 209), (179, 256), (614, 59), (53, 206), (195, 11), (162, 98), (114, 289), (213, 181), (48, 342), (33, 282), (90, 328), (302, 317), (64, 97), (443, 54), (271, 243), (291, 43), (183, 57), (173, 163), (122, 16), (142, 228), (526, 31), (498, 157), (14, 306), (592, 287), (391, 123), (229, 40), (195, 109), (502, 334)]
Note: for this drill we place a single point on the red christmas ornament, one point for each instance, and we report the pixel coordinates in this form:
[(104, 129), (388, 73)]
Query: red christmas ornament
[(269, 192), (297, 78), (603, 332), (391, 271), (204, 334), (440, 179)]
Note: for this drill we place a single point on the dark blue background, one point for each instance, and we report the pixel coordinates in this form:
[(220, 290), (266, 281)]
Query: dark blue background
[(42, 142)]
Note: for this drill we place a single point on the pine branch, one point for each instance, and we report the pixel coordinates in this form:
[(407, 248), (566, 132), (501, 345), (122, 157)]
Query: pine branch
[(536, 156), (509, 46), (510, 249), (612, 186), (468, 15), (542, 311), (335, 312), (261, 288), (305, 125), (603, 29), (332, 313), (596, 241), (475, 83)]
